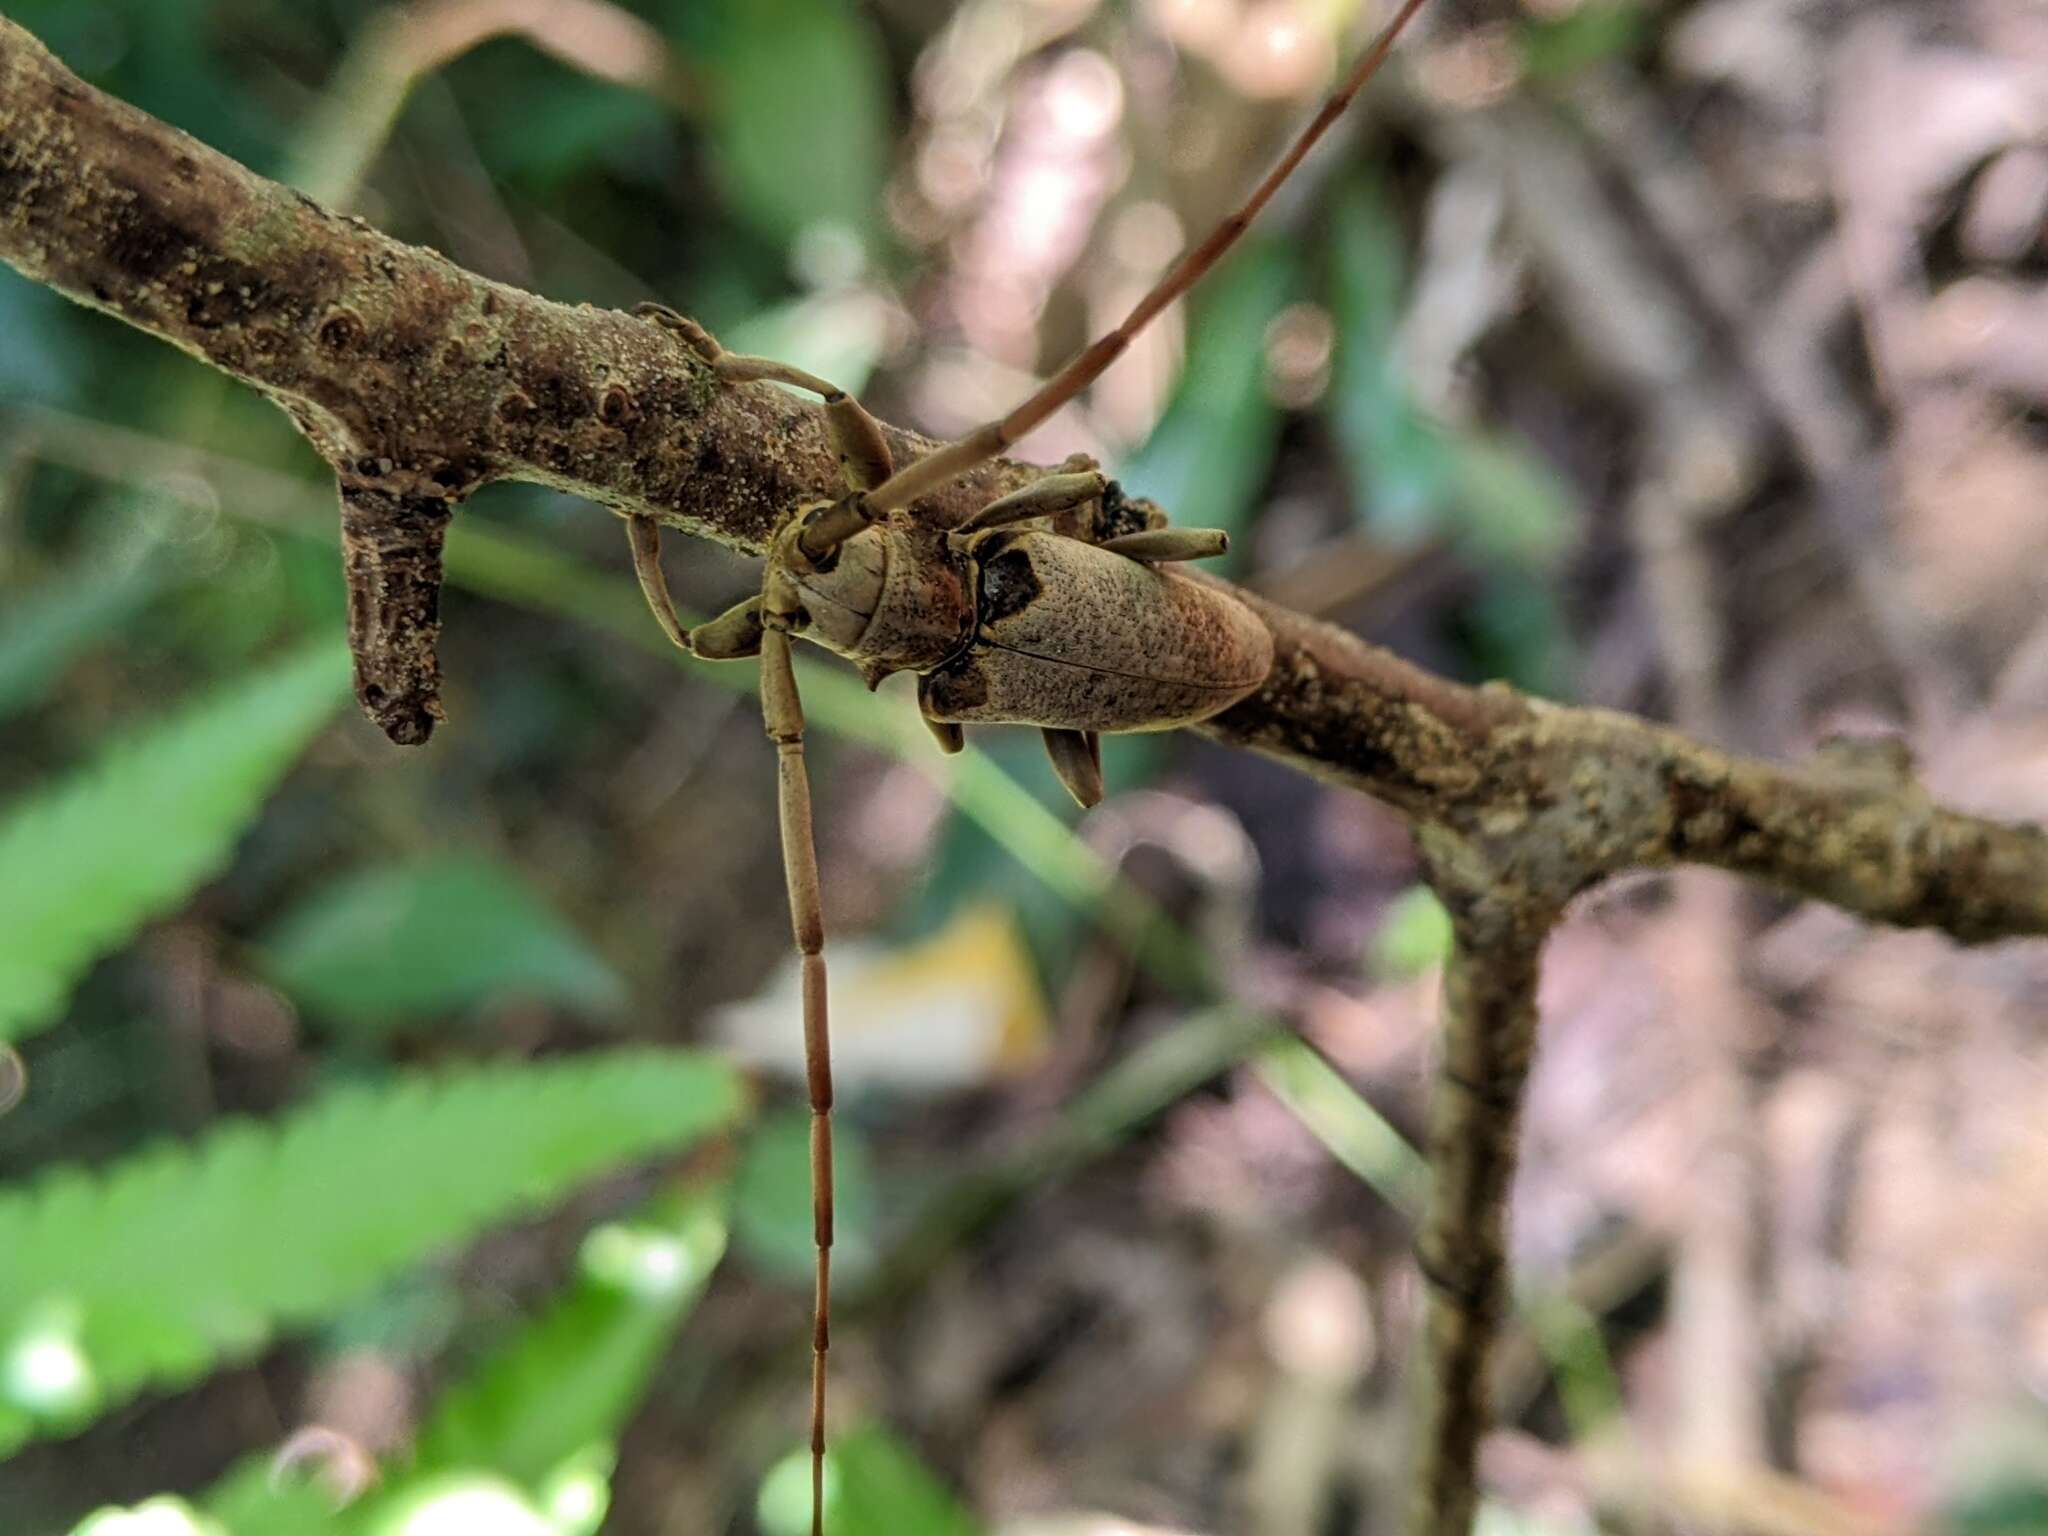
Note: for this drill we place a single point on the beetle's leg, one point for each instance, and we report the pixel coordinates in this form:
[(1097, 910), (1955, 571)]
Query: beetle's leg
[(783, 713), (1041, 498), (734, 634), (950, 737), (856, 437), (1169, 544), (1077, 759), (644, 535)]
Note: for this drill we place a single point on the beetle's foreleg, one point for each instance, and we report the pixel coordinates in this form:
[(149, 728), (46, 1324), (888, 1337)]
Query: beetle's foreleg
[(734, 634), (784, 715), (1041, 498), (1170, 544), (856, 436), (644, 535), (1077, 759)]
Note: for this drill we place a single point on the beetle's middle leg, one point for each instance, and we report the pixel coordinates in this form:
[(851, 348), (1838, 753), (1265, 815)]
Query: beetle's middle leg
[(864, 457)]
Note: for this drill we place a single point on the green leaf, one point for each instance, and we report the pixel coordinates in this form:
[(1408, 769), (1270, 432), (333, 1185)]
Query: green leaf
[(1415, 936), (801, 120), (161, 1516), (1212, 450), (1587, 34), (572, 1378), (86, 862), (838, 336), (184, 1257), (401, 943), (45, 629), (772, 1198), (874, 1486)]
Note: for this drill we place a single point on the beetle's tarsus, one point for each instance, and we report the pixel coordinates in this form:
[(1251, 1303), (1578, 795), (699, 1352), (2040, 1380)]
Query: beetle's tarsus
[(1163, 544), (643, 535), (1077, 759)]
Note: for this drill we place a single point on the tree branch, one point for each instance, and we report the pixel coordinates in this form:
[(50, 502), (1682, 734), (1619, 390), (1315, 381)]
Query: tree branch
[(1489, 1038)]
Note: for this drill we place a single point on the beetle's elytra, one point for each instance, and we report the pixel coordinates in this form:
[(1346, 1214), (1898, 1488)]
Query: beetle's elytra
[(1073, 637)]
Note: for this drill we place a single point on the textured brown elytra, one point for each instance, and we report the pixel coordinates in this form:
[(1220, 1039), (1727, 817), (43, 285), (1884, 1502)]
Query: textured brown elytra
[(1069, 636)]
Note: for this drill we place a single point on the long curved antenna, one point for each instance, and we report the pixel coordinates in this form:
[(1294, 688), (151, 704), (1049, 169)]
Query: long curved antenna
[(943, 465), (783, 714)]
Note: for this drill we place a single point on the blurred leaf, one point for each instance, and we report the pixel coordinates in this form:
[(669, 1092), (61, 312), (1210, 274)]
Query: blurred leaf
[(954, 1009), (572, 1378), (86, 862), (181, 1258), (1512, 507), (45, 629), (772, 1197), (536, 1420), (837, 336), (38, 362), (1414, 478), (1586, 34), (1398, 470), (402, 943), (161, 55), (874, 1486), (162, 1516), (539, 122), (1414, 936), (801, 120), (1214, 447)]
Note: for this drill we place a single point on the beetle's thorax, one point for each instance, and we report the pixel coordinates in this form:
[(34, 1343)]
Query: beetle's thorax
[(890, 598)]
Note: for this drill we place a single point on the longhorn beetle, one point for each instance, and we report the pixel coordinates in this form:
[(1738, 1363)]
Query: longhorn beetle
[(1002, 622)]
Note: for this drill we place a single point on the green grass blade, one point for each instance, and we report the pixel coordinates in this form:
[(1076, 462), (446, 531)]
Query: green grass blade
[(179, 1259), (86, 862)]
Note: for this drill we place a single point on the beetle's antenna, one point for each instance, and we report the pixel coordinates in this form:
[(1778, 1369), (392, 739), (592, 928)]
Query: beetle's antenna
[(943, 465), (783, 714)]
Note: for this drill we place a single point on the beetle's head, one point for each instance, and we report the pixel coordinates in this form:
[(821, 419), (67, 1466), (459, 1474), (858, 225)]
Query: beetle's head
[(829, 597)]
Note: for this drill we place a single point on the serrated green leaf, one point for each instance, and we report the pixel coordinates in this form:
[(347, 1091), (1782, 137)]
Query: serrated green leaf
[(183, 1257), (1214, 446), (402, 943), (874, 1486), (801, 111), (86, 862)]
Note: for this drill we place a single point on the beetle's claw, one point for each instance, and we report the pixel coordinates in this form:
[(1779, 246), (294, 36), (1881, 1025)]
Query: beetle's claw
[(1077, 759)]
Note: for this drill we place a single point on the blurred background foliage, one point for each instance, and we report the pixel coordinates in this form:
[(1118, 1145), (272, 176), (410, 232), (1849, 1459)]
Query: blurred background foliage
[(408, 1142)]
